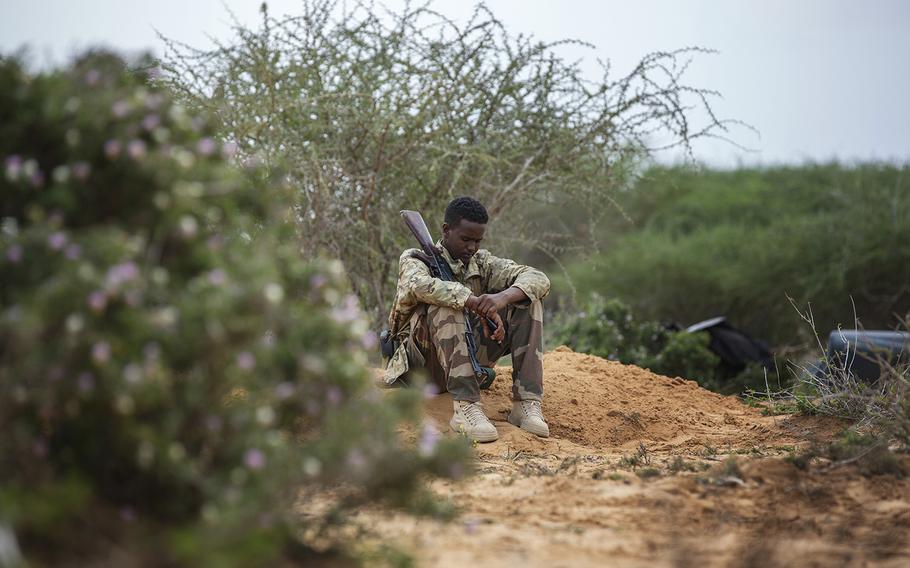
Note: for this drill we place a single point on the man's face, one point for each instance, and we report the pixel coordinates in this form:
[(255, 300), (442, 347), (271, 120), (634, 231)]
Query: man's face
[(463, 239)]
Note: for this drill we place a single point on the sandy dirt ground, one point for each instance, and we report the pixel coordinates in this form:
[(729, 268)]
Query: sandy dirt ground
[(644, 470)]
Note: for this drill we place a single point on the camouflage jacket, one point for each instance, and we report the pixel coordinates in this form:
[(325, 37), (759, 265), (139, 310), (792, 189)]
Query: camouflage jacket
[(484, 274)]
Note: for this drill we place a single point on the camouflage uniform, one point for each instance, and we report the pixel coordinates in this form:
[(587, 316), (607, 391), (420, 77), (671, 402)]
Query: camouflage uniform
[(427, 321)]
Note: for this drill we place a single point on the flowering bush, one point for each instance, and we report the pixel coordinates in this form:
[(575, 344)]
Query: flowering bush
[(166, 358)]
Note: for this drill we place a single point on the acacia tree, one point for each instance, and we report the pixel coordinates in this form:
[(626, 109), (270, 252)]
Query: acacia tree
[(372, 111)]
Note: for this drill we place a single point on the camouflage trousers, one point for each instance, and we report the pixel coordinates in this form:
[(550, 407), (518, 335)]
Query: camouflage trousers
[(438, 343)]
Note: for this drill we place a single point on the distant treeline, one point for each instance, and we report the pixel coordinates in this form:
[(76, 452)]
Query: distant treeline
[(694, 243)]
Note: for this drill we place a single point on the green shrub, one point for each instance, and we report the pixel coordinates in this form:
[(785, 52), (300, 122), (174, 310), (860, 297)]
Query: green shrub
[(171, 372)]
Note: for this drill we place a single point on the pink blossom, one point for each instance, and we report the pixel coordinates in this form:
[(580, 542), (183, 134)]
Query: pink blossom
[(348, 311), (206, 146), (217, 277), (73, 251), (14, 253), (151, 121), (246, 360), (229, 149), (369, 340), (85, 382), (430, 390), (121, 273), (429, 437), (120, 108), (112, 149), (213, 423), (92, 76), (136, 149), (284, 390), (97, 300), (13, 165), (317, 281), (153, 101), (81, 170), (101, 352), (254, 459), (333, 396), (56, 240), (37, 178)]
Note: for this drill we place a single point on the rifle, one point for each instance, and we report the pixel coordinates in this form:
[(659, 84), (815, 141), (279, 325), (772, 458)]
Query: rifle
[(439, 268)]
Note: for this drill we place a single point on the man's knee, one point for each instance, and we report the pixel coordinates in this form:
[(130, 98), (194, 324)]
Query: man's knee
[(445, 323)]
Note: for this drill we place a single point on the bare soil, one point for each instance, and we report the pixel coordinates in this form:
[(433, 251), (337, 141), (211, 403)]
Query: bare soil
[(645, 470)]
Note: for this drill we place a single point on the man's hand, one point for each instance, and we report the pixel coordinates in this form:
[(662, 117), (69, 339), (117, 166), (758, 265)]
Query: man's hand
[(489, 304), (500, 332)]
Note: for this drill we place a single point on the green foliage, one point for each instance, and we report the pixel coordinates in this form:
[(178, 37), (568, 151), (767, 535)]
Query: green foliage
[(608, 329), (700, 243), (172, 372), (374, 113)]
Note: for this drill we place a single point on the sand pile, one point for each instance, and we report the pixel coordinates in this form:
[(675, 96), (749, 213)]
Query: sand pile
[(608, 406)]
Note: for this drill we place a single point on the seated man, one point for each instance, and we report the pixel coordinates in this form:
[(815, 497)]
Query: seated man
[(427, 323)]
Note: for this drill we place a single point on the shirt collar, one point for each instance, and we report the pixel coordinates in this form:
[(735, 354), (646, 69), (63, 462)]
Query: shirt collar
[(458, 267)]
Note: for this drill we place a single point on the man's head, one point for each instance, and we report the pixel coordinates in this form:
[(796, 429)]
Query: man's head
[(463, 229)]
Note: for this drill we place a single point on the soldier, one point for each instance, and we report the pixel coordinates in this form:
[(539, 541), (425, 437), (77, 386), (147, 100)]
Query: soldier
[(427, 322)]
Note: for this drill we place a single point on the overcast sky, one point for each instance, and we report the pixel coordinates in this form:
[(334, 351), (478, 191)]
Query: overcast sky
[(820, 79)]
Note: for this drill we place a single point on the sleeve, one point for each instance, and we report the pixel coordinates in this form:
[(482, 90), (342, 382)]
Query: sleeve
[(415, 280), (502, 273)]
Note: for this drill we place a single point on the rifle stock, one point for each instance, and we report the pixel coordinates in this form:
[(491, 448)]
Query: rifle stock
[(418, 228)]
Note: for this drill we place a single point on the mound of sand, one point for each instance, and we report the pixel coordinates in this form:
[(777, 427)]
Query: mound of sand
[(608, 406)]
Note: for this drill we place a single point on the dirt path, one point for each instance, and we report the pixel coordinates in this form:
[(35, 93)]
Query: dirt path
[(643, 470)]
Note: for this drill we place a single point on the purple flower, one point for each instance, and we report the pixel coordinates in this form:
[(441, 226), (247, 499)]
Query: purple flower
[(92, 76), (215, 242), (37, 178), (151, 122), (429, 437), (284, 390), (254, 459), (97, 300), (101, 352), (85, 382), (217, 277), (333, 396), (13, 167), (121, 273), (14, 253), (132, 373), (246, 360), (229, 149), (153, 101), (112, 149), (73, 251), (120, 108), (81, 170), (312, 407), (318, 281), (348, 311), (206, 146), (213, 423), (56, 240), (369, 340), (356, 460), (136, 149), (430, 390)]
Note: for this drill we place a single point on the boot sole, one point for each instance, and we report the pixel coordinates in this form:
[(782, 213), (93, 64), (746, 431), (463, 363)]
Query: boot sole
[(483, 438), (535, 431)]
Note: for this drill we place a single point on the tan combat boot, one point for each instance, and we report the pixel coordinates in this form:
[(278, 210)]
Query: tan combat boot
[(526, 414), (470, 419)]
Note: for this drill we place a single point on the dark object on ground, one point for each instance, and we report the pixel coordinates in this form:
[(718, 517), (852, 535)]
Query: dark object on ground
[(862, 353), (735, 348)]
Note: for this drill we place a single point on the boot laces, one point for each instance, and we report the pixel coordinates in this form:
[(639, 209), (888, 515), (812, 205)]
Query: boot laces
[(473, 412), (531, 409)]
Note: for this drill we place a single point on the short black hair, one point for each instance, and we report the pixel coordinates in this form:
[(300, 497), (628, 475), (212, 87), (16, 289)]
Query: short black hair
[(465, 208)]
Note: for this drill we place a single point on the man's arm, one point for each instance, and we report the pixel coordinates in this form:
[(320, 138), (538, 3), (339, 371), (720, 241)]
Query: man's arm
[(511, 282)]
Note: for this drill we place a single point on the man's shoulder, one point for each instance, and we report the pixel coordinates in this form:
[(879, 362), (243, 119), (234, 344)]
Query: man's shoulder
[(408, 253)]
